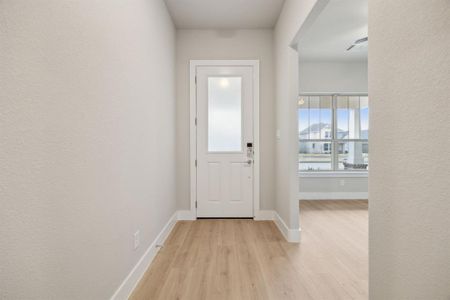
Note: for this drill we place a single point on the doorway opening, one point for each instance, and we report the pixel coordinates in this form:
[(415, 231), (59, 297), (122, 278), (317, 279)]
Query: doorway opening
[(333, 103), (333, 139)]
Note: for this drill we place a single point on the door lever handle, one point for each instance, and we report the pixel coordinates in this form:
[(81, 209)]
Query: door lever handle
[(249, 162)]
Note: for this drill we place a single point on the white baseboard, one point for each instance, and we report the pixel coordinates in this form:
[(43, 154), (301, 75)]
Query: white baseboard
[(291, 235), (334, 196), (133, 278), (264, 215), (186, 215)]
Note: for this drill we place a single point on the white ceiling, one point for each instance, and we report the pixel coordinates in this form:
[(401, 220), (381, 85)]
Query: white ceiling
[(224, 14), (335, 29)]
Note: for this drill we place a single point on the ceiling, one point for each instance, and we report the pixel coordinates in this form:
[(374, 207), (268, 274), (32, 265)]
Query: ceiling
[(336, 28), (224, 14)]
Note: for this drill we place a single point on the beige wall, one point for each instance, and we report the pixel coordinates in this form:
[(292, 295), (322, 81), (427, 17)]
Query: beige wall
[(87, 143), (292, 16), (409, 76), (228, 44)]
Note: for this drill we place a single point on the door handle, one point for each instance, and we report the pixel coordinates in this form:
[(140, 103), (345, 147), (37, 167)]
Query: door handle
[(248, 162)]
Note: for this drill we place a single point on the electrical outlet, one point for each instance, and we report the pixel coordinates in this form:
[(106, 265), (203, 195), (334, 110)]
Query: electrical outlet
[(342, 182), (137, 239)]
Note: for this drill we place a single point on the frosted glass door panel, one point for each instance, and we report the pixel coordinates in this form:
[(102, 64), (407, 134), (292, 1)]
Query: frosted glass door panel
[(224, 114)]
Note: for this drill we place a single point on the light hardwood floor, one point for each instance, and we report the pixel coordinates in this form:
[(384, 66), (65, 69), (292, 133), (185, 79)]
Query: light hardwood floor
[(246, 259)]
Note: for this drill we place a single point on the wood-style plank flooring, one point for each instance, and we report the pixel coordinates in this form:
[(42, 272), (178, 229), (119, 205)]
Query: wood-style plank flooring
[(246, 259)]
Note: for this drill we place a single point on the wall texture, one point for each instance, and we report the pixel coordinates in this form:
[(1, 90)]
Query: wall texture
[(87, 143), (409, 75), (292, 16), (227, 44)]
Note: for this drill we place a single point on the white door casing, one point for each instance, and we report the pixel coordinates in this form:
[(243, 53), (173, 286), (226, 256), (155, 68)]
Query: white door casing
[(226, 140)]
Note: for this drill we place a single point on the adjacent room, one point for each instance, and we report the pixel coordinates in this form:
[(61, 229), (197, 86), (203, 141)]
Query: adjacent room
[(210, 149), (333, 137), (333, 104)]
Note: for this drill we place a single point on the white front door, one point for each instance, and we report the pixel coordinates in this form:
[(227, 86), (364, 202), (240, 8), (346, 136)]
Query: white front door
[(225, 141)]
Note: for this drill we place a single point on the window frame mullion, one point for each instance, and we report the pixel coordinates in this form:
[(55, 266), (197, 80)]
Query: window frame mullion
[(334, 145)]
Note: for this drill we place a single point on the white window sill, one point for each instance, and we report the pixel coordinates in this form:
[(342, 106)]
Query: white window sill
[(323, 174)]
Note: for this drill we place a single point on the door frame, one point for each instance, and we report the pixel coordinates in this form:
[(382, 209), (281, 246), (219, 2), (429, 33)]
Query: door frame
[(193, 127)]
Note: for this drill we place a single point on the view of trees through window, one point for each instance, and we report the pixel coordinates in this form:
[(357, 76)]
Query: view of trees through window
[(333, 132)]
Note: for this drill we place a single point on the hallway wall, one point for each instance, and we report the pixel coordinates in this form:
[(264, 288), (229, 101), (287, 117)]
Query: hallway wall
[(226, 44), (409, 75), (292, 16), (87, 143)]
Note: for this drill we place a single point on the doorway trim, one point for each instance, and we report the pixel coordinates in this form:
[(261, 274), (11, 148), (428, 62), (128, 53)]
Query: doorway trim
[(193, 127)]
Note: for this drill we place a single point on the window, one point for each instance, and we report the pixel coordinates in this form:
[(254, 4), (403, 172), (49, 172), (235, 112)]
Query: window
[(224, 114), (333, 132)]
